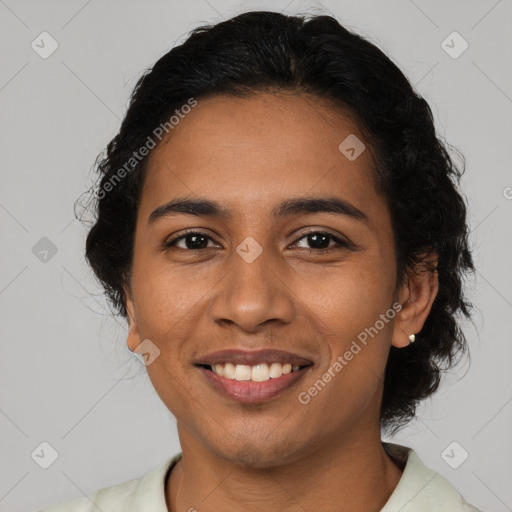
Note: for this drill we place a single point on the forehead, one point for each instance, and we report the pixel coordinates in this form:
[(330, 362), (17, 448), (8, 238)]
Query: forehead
[(251, 152)]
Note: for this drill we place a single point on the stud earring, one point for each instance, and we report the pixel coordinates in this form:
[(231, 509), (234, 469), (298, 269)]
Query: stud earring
[(412, 337)]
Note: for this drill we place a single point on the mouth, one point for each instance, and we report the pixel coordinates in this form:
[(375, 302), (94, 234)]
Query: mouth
[(261, 372), (253, 377)]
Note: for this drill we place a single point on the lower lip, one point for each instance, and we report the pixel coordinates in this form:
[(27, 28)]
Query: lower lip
[(250, 392)]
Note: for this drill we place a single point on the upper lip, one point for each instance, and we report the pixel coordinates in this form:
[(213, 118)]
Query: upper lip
[(252, 357)]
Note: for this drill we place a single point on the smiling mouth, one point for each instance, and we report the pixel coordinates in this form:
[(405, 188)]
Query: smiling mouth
[(250, 384), (256, 373)]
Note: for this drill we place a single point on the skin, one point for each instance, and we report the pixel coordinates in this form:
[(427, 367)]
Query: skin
[(249, 155)]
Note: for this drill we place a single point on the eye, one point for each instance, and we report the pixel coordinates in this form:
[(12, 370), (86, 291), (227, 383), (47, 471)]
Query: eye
[(193, 241), (320, 240)]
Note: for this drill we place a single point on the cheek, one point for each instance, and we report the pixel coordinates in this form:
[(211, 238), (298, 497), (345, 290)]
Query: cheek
[(168, 310), (166, 297), (350, 297), (353, 313), (348, 319)]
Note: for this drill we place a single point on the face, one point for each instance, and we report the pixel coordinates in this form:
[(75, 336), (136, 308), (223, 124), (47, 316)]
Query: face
[(307, 281)]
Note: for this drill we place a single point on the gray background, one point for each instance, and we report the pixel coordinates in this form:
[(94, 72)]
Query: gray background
[(67, 377)]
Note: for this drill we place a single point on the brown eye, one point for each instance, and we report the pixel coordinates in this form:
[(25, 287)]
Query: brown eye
[(320, 241), (193, 240)]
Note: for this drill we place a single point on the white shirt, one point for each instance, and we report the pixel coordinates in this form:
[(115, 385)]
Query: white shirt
[(419, 490)]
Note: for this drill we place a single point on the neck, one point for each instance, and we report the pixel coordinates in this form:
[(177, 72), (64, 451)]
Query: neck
[(342, 476)]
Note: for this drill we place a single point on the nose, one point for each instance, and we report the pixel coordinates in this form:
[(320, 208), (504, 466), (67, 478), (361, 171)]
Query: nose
[(252, 294)]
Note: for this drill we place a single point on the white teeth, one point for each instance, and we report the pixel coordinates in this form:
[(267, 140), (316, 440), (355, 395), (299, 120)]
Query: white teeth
[(276, 370), (229, 371), (257, 373), (242, 372), (260, 373)]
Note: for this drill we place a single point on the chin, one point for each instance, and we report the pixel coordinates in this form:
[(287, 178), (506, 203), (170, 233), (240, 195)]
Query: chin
[(260, 454)]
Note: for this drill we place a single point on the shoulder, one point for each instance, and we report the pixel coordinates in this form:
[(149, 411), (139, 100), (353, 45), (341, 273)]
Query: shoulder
[(421, 489), (103, 499), (443, 497), (128, 496)]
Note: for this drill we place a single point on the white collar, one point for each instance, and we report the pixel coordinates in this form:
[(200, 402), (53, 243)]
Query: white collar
[(420, 489)]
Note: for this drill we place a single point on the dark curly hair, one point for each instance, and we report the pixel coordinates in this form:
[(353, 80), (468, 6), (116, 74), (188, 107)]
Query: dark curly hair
[(271, 52)]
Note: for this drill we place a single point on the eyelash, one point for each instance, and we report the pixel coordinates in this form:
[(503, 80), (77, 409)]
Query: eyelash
[(342, 244)]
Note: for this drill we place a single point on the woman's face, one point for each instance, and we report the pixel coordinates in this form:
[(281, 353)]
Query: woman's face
[(253, 279)]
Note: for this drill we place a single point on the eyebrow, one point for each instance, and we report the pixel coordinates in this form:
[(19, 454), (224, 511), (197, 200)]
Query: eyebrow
[(203, 207)]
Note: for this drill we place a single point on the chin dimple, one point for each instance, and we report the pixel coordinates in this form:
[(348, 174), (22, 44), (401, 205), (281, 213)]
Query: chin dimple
[(257, 373)]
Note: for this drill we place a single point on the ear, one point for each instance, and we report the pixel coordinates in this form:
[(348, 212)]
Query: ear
[(416, 296), (133, 338)]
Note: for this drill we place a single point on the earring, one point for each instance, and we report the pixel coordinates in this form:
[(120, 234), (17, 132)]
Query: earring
[(412, 338)]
